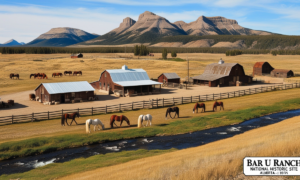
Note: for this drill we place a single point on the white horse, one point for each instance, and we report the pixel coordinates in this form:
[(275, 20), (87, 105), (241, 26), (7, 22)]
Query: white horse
[(95, 122), (142, 118)]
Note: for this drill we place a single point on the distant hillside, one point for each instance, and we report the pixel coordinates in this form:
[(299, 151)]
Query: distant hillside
[(151, 27), (11, 42), (61, 37)]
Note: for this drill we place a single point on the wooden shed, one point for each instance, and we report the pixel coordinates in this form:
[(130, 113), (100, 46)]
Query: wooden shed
[(126, 82), (79, 55), (282, 73), (169, 78), (64, 91), (262, 68), (222, 74)]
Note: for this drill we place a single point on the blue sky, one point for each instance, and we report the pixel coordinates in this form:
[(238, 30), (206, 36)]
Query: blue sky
[(24, 20)]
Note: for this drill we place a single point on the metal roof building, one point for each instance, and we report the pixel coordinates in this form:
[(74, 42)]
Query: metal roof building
[(125, 81), (59, 92), (169, 77), (222, 74)]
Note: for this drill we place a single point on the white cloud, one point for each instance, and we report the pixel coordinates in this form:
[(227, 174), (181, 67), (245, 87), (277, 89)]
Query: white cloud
[(153, 2)]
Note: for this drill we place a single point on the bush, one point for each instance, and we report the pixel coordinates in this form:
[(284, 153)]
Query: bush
[(174, 54), (164, 53)]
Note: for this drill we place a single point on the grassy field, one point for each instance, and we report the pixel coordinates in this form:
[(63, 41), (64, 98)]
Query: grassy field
[(93, 64), (218, 160), (213, 160)]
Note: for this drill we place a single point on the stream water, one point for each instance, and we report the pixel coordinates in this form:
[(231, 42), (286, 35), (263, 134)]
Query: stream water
[(181, 141)]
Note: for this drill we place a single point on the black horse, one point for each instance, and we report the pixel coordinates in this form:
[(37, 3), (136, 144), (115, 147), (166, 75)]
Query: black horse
[(172, 109), (71, 116)]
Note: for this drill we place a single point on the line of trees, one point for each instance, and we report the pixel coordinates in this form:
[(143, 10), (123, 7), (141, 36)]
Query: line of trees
[(233, 52), (140, 50)]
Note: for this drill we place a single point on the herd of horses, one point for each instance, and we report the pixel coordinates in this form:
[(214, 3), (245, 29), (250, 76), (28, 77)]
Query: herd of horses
[(141, 118), (44, 76)]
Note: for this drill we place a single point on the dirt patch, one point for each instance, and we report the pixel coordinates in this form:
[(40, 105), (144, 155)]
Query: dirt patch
[(238, 44)]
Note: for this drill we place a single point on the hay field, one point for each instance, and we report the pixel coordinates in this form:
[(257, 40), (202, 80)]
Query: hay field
[(94, 64), (218, 160)]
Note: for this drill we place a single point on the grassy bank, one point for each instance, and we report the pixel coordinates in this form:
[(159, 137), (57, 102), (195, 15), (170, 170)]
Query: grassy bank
[(53, 171), (45, 144)]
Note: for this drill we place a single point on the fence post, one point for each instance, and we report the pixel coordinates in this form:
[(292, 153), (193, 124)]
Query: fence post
[(182, 100), (227, 95), (132, 106), (156, 102), (233, 93), (220, 96), (163, 102), (285, 86), (105, 109), (12, 119), (152, 103), (62, 112), (191, 99), (213, 96), (143, 104), (206, 97), (199, 98), (33, 116), (48, 115), (92, 111), (78, 110), (244, 93), (120, 107)]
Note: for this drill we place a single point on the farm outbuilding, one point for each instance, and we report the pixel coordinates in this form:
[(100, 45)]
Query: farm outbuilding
[(79, 55), (64, 91), (126, 82), (262, 68), (222, 74), (282, 73), (169, 78)]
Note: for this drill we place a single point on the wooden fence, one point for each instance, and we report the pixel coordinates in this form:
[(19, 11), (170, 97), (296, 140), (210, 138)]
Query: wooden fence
[(154, 103)]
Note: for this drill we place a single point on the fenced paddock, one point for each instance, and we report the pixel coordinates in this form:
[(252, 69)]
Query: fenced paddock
[(154, 103)]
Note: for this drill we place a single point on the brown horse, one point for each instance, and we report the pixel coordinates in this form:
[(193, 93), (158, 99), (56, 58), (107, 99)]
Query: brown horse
[(57, 74), (197, 105), (68, 72), (172, 109), (71, 116), (121, 118), (77, 72), (12, 76), (40, 76), (32, 75), (216, 104)]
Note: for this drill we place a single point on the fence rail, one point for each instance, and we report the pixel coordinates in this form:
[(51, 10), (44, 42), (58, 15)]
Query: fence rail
[(154, 103)]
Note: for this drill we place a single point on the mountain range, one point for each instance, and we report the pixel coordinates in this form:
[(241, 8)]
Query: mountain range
[(149, 28), (11, 42)]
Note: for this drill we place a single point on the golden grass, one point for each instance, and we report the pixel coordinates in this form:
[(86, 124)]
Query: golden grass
[(95, 63), (218, 160), (53, 128)]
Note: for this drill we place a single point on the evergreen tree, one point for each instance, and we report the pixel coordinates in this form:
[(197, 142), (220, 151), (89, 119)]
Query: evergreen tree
[(174, 54), (164, 53), (136, 50)]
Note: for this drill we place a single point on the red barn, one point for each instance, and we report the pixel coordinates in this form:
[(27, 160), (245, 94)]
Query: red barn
[(169, 78), (262, 68)]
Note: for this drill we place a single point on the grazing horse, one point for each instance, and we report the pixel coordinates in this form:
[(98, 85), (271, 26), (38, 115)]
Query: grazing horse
[(71, 116), (121, 118), (77, 72), (197, 105), (172, 109), (57, 74), (95, 122), (32, 75), (68, 72), (216, 104), (12, 76), (42, 76), (142, 118)]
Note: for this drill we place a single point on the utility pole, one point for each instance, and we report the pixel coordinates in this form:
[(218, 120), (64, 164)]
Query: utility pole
[(188, 70)]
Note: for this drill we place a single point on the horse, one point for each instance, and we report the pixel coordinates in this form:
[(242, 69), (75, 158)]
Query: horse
[(41, 75), (77, 72), (121, 118), (95, 122), (71, 116), (142, 118), (218, 104), (197, 105), (57, 74), (12, 76), (68, 72), (32, 75), (172, 109)]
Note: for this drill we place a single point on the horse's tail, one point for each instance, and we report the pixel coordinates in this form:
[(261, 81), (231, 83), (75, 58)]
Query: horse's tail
[(140, 121), (87, 126), (150, 118), (194, 109), (112, 123), (62, 120), (127, 120)]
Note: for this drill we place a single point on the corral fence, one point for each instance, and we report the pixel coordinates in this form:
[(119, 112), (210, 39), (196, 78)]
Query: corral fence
[(153, 103)]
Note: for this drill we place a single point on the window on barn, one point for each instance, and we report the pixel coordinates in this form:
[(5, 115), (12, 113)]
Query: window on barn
[(73, 94)]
